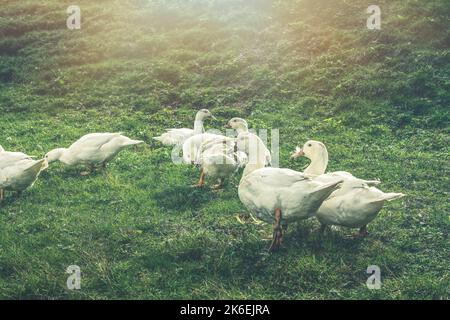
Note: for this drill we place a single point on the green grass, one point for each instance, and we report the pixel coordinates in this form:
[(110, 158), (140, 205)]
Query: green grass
[(378, 100)]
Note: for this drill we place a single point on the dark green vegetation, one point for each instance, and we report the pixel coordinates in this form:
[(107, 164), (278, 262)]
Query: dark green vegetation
[(378, 99)]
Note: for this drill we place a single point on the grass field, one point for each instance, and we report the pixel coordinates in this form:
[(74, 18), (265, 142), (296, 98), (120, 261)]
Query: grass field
[(379, 100)]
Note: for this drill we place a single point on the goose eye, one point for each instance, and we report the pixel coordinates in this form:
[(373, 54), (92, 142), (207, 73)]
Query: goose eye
[(309, 145)]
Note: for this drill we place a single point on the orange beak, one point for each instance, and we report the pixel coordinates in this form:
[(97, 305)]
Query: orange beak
[(298, 153)]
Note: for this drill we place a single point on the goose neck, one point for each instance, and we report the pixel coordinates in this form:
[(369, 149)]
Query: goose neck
[(256, 155), (319, 163), (241, 129), (198, 125)]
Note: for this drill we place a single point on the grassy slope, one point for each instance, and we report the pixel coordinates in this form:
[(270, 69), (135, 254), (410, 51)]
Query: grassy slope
[(378, 99)]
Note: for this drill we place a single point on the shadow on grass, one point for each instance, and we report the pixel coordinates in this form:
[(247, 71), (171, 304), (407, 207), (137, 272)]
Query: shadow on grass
[(10, 197), (183, 197), (243, 257), (307, 234), (67, 172)]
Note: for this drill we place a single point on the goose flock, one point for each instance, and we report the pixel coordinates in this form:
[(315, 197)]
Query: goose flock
[(275, 195)]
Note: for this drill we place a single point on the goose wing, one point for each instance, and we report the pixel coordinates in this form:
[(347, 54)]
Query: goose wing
[(175, 136), (88, 147), (277, 177), (94, 140), (9, 158), (192, 145)]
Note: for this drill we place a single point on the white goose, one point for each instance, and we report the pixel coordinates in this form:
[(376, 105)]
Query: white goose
[(355, 204), (8, 158), (91, 150), (18, 171), (192, 145), (280, 195), (219, 159), (179, 136), (217, 154), (241, 126)]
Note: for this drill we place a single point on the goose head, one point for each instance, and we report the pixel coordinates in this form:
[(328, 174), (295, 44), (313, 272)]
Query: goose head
[(238, 124), (54, 155), (203, 114), (317, 153), (1, 149)]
